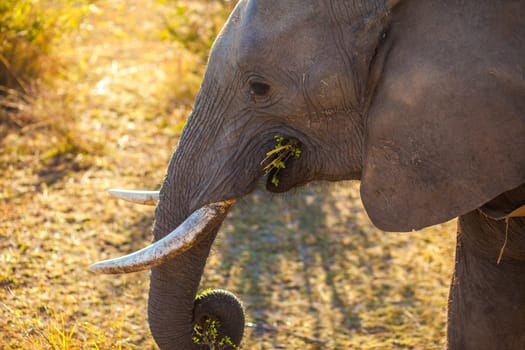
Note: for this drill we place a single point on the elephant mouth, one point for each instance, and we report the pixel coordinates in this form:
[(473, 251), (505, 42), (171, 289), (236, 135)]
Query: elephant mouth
[(197, 226), (281, 164)]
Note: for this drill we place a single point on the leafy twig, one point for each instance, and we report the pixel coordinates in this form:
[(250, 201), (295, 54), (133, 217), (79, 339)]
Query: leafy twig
[(276, 158)]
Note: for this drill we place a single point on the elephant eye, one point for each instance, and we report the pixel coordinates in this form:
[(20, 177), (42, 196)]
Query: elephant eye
[(259, 89)]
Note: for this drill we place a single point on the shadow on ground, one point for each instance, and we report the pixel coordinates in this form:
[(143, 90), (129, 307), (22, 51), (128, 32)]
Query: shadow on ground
[(307, 266)]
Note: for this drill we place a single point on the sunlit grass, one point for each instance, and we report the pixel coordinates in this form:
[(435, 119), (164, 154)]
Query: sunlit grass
[(53, 332)]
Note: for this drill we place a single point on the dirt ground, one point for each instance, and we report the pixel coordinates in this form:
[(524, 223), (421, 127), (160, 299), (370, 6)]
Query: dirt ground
[(311, 269)]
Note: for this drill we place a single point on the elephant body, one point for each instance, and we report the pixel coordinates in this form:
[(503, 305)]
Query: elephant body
[(423, 101)]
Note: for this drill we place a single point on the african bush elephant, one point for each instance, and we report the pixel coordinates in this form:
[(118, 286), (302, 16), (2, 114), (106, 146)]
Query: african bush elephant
[(422, 101)]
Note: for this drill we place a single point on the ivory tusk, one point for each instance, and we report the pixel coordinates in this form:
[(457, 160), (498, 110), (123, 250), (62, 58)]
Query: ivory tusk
[(177, 242), (139, 197)]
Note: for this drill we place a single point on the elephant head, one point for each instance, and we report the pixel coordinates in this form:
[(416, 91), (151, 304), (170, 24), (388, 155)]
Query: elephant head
[(420, 100)]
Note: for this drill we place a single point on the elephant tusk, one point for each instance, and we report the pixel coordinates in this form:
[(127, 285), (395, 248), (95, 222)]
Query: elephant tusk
[(177, 242), (139, 197)]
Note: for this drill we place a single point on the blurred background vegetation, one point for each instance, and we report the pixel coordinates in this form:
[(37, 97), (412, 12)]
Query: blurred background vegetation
[(29, 33), (94, 95), (35, 34)]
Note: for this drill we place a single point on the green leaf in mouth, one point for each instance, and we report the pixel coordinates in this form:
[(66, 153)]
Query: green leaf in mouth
[(275, 160)]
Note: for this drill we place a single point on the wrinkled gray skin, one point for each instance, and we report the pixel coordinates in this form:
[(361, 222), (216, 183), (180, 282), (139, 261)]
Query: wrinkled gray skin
[(423, 101)]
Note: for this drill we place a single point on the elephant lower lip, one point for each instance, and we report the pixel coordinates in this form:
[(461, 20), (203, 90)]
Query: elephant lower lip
[(270, 180), (283, 183)]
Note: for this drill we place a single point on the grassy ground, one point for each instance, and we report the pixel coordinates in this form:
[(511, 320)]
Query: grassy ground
[(311, 269)]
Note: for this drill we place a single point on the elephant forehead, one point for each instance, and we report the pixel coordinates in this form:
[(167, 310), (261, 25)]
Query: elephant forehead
[(267, 28), (275, 15)]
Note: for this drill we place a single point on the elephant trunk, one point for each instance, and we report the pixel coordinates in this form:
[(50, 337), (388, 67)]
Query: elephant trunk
[(174, 284), (195, 178), (173, 287)]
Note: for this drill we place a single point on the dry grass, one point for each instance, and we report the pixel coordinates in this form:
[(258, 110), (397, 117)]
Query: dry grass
[(311, 269)]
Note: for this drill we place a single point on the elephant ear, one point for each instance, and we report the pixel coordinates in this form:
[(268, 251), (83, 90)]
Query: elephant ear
[(446, 127)]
